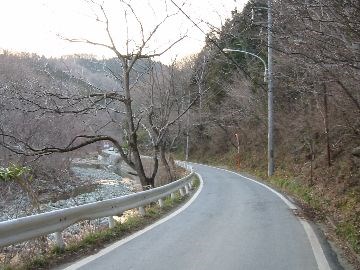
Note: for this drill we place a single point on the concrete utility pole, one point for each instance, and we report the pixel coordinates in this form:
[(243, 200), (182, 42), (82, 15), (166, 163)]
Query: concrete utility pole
[(270, 94), (187, 131), (268, 76), (187, 140)]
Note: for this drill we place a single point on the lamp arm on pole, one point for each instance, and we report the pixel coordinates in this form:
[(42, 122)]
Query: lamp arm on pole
[(254, 55)]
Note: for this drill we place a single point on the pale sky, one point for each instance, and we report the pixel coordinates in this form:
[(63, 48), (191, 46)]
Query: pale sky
[(35, 25)]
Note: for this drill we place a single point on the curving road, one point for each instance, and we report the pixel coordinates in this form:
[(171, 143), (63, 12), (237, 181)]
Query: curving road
[(234, 223)]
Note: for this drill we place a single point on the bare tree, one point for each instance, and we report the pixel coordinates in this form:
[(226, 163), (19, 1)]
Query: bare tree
[(117, 104), (165, 101)]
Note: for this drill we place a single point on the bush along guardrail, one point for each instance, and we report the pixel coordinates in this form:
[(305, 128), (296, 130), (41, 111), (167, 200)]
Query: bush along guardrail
[(26, 228)]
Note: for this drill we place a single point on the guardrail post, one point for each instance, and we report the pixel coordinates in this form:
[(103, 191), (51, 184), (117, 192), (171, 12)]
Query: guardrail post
[(119, 217), (59, 240), (172, 195), (190, 185), (161, 202), (182, 193), (111, 222), (142, 211), (186, 189)]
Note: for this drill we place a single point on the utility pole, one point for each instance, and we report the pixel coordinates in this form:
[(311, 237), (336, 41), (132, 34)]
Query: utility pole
[(188, 131), (269, 80), (200, 79), (268, 74), (187, 139), (270, 93)]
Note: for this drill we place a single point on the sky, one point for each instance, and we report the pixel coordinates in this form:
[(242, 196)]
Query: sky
[(41, 26)]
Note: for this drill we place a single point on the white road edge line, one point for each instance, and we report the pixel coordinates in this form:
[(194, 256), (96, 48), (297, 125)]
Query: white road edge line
[(117, 244), (282, 197), (321, 260), (318, 252)]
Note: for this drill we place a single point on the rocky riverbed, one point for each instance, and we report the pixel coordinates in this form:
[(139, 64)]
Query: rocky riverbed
[(105, 185), (97, 181)]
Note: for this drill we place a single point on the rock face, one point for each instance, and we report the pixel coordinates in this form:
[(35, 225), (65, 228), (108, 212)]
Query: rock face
[(356, 152)]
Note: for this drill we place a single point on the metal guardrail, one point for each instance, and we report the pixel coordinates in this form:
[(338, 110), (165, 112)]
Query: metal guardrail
[(26, 228)]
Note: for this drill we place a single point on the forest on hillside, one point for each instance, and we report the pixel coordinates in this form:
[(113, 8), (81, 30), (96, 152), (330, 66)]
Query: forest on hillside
[(316, 95), (55, 109)]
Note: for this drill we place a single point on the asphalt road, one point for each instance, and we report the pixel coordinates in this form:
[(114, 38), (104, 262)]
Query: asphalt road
[(233, 224)]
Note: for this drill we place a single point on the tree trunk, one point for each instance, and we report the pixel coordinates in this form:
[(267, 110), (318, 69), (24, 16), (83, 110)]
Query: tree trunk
[(166, 164), (132, 136), (151, 180), (326, 122)]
